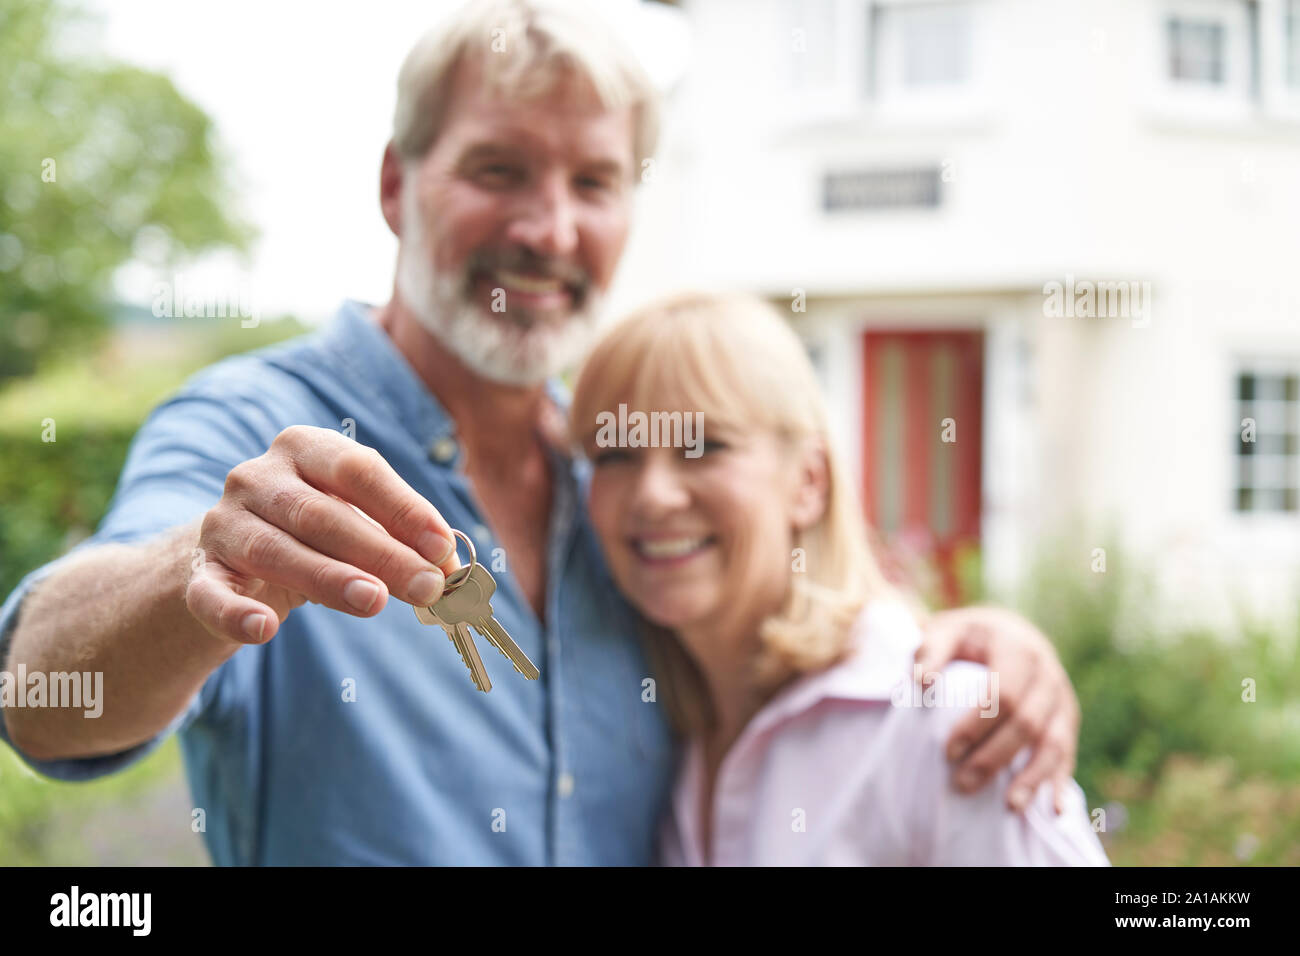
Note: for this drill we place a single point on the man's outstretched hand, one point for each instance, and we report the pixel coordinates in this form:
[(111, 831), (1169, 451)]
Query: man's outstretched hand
[(317, 518), (1036, 704)]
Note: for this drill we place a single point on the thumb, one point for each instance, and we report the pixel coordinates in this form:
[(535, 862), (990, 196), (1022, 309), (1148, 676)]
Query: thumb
[(938, 644)]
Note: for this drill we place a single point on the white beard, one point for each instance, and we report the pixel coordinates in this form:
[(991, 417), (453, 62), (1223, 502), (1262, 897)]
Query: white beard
[(490, 343)]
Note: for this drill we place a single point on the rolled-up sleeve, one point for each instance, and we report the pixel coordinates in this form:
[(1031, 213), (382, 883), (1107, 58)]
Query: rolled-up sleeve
[(175, 471)]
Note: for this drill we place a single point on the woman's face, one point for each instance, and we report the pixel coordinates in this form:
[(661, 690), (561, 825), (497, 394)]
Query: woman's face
[(694, 540)]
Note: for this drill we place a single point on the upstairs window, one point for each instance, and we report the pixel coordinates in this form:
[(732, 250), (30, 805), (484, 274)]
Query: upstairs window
[(909, 57), (922, 46), (1197, 50), (925, 58), (1208, 56)]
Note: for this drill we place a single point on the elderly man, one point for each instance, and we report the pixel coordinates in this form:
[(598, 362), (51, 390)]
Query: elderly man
[(238, 592)]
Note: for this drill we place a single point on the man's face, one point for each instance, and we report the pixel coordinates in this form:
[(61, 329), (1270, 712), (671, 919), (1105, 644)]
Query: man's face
[(513, 224)]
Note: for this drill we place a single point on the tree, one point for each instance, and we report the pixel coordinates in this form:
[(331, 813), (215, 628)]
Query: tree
[(99, 162)]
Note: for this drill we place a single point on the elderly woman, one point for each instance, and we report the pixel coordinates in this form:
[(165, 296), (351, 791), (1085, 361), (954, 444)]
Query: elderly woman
[(780, 652)]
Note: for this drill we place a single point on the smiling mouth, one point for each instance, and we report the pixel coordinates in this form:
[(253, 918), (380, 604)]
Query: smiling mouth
[(670, 550), (536, 292), (530, 285)]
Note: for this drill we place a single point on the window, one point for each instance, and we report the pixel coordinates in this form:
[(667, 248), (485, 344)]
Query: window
[(923, 55), (924, 45), (906, 56), (1196, 51), (1268, 441), (1207, 57), (921, 46)]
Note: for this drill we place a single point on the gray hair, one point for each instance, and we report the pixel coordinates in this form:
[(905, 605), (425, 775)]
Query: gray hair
[(524, 46)]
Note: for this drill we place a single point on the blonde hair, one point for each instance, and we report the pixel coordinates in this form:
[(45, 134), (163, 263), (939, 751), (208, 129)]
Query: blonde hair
[(734, 358), (524, 47)]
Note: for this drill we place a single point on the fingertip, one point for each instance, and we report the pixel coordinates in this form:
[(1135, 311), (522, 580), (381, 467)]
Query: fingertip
[(380, 602), (252, 625), (963, 736), (426, 587), (257, 627), (969, 780), (1018, 798), (362, 594), (437, 546)]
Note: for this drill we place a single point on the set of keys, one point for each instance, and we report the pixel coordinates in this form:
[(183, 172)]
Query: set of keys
[(465, 607)]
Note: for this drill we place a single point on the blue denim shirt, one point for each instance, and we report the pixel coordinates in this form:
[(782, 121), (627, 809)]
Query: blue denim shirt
[(420, 768)]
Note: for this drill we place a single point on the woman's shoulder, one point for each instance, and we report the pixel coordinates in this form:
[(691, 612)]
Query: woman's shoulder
[(876, 690), (883, 643), (912, 714), (909, 741)]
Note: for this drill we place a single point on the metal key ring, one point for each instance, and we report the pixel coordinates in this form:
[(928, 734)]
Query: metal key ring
[(450, 585)]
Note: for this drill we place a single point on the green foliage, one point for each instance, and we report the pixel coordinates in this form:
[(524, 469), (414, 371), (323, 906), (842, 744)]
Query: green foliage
[(44, 821), (1199, 811), (54, 493), (51, 494), (99, 163), (1147, 696), (1203, 776)]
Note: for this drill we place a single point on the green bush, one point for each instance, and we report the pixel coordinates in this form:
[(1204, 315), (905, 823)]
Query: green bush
[(1190, 771), (110, 821), (1148, 696), (1200, 811), (53, 493)]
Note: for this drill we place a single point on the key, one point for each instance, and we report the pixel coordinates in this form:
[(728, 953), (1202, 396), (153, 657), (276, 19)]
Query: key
[(491, 628), (471, 604), (463, 640)]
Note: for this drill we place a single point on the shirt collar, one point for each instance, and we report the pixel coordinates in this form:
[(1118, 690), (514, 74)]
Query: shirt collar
[(877, 668), (883, 640), (375, 362)]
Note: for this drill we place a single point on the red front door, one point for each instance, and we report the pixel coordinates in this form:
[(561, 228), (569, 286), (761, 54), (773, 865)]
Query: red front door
[(922, 434)]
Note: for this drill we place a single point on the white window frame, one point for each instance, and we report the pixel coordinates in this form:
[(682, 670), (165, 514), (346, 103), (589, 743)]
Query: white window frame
[(843, 97), (1281, 98), (893, 99), (1236, 98), (855, 94)]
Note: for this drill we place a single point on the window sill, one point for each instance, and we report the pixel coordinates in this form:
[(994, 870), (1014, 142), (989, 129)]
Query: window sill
[(882, 120), (1248, 121)]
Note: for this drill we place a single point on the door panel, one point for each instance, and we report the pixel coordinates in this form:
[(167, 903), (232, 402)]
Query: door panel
[(922, 493)]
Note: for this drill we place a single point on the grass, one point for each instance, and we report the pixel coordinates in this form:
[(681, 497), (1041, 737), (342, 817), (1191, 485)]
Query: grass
[(110, 821)]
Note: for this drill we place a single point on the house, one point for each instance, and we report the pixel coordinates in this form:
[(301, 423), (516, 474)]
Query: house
[(1044, 253)]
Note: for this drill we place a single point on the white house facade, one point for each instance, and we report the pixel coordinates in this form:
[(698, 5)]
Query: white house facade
[(1045, 253)]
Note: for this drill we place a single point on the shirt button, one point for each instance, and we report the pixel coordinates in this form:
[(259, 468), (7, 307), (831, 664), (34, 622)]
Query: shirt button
[(443, 450), (482, 533), (565, 784)]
